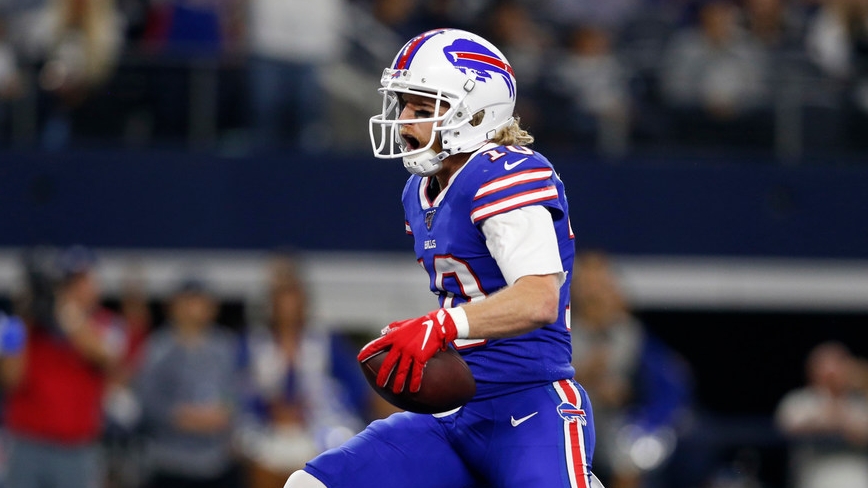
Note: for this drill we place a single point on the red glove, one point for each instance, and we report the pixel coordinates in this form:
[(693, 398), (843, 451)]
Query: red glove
[(411, 343)]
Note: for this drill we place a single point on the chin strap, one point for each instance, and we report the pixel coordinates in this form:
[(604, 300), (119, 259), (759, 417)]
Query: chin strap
[(426, 163)]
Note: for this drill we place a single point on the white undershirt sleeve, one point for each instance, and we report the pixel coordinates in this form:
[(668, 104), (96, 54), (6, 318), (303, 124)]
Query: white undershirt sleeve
[(523, 242)]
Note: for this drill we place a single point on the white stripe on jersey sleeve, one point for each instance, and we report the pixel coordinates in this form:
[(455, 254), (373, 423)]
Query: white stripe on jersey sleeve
[(523, 242), (515, 201), (512, 180)]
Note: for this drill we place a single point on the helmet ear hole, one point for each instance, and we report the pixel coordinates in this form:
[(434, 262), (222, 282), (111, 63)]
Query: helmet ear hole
[(477, 118)]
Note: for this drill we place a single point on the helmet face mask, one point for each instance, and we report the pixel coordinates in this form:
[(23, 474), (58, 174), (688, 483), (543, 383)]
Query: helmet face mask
[(459, 70), (389, 143)]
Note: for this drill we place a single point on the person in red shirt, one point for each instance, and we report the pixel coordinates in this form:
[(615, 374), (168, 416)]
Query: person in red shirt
[(54, 385)]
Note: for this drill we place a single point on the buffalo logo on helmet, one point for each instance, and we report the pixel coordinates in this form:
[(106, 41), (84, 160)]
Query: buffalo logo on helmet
[(572, 413), (468, 55)]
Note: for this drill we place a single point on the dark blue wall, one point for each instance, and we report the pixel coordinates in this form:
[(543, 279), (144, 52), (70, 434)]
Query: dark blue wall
[(173, 199)]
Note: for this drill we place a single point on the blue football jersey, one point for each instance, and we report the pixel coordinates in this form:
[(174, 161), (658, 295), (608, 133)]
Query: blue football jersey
[(450, 245)]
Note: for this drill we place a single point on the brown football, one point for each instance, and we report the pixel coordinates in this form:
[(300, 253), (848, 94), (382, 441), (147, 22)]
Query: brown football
[(447, 383)]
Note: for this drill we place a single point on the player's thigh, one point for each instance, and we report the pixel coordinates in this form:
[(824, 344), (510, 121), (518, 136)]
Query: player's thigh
[(398, 452), (544, 437)]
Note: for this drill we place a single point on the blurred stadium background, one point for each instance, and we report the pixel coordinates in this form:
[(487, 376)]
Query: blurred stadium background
[(716, 148)]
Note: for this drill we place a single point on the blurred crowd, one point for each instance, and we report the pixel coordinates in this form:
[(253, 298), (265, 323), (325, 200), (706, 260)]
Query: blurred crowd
[(652, 430), (132, 392), (789, 75), (641, 389), (826, 420), (127, 395)]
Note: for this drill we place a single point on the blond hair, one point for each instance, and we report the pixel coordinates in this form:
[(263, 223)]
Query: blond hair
[(513, 135)]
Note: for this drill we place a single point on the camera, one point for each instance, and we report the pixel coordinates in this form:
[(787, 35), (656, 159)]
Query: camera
[(46, 270), (41, 279)]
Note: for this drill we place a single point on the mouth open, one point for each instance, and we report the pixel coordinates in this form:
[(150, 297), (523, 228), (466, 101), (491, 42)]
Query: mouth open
[(411, 142)]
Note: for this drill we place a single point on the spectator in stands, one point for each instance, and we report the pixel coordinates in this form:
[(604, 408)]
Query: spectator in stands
[(527, 44), (611, 15), (54, 384), (136, 311), (84, 42), (837, 43), (13, 337), (777, 24), (11, 87), (184, 28), (292, 43), (836, 37), (715, 77), (594, 83), (407, 18), (861, 373), (123, 410), (307, 393), (191, 41), (188, 386), (403, 17), (511, 24), (26, 29), (826, 421), (455, 13), (641, 389)]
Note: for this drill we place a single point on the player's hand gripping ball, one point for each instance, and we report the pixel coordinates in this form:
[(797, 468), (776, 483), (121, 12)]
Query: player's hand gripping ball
[(413, 367)]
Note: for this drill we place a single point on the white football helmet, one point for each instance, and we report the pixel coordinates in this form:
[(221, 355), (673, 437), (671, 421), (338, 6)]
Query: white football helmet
[(454, 67)]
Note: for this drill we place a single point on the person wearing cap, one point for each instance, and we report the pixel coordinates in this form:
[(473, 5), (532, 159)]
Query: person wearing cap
[(55, 380)]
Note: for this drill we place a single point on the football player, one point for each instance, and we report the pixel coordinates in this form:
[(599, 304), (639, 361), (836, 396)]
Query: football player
[(490, 223)]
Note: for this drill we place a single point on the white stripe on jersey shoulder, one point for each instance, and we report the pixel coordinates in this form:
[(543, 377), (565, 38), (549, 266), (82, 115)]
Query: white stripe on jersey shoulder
[(492, 186)]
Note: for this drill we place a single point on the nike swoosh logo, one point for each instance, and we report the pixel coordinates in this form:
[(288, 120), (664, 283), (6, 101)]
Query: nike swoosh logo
[(516, 422), (429, 324), (508, 166)]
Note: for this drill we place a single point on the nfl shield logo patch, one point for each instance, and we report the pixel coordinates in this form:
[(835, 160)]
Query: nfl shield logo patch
[(429, 217)]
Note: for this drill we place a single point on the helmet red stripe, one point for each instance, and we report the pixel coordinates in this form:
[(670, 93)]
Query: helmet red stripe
[(482, 58), (409, 52)]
